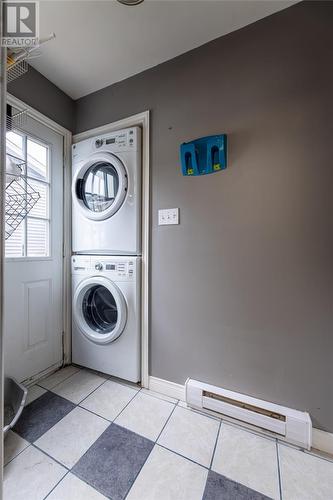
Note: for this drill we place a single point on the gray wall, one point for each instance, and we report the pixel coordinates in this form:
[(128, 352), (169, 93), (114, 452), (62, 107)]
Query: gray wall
[(242, 289), (37, 91)]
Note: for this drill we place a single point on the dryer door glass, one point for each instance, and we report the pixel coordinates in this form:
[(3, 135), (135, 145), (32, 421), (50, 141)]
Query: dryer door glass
[(99, 186), (99, 309)]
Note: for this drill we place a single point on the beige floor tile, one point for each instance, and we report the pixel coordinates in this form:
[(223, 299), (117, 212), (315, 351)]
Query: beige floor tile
[(13, 445), (71, 437), (78, 386), (31, 476), (58, 376), (33, 393), (191, 434), (248, 459), (167, 476), (304, 476), (145, 415), (72, 488), (109, 399)]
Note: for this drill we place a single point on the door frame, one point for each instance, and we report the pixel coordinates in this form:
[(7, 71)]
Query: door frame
[(140, 120), (67, 225)]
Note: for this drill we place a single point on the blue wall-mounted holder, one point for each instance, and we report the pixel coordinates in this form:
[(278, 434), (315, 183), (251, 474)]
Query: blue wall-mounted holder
[(206, 155)]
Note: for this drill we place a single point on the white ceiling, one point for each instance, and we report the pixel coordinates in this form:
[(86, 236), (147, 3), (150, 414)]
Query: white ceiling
[(102, 42)]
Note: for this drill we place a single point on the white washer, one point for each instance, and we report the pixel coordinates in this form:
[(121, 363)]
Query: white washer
[(106, 314), (106, 194)]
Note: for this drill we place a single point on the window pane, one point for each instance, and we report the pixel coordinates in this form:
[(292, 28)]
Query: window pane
[(37, 160), (14, 246), (41, 209), (14, 144), (38, 238)]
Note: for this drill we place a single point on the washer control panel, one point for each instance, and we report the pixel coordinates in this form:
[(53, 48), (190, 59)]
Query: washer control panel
[(116, 268)]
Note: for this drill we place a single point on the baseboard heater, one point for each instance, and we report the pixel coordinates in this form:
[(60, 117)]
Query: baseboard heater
[(291, 425)]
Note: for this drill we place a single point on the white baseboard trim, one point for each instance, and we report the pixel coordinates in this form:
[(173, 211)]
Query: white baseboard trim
[(321, 440), (39, 376), (171, 389)]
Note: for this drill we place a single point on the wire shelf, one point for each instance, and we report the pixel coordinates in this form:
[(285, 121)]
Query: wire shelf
[(16, 70), (20, 198), (17, 121)]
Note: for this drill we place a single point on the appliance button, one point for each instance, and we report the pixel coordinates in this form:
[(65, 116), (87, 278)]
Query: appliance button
[(98, 266), (99, 143)]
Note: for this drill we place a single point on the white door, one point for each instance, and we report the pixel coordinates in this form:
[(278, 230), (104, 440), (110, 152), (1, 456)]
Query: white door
[(33, 266)]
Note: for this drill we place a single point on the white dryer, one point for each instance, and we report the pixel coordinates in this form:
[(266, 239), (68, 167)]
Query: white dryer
[(106, 194), (106, 314)]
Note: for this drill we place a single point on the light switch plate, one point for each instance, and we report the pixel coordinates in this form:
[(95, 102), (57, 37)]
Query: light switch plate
[(168, 216)]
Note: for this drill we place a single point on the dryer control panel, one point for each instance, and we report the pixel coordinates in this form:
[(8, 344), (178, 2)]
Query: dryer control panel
[(121, 141), (117, 141), (116, 268)]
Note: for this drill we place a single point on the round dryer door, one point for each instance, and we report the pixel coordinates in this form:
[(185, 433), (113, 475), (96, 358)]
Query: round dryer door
[(99, 310), (99, 186)]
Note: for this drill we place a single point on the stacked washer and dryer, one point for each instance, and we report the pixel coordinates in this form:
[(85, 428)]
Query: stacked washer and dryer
[(106, 235)]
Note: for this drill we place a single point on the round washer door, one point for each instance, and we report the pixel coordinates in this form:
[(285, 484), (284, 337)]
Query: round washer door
[(99, 310), (99, 186)]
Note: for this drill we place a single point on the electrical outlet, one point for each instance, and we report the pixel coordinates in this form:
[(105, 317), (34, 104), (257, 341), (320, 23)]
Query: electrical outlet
[(168, 216)]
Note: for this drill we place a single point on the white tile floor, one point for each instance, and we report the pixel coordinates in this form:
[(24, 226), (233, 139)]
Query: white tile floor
[(191, 435), (167, 476), (109, 399), (14, 445), (31, 475), (72, 436), (72, 488), (103, 439), (145, 415), (303, 476), (34, 392), (78, 386), (247, 458), (57, 377)]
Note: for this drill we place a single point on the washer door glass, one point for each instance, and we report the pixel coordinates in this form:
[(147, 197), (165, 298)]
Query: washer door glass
[(99, 309), (100, 186)]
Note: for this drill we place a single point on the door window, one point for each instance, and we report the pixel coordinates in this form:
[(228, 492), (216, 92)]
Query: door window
[(100, 186), (99, 309), (32, 237)]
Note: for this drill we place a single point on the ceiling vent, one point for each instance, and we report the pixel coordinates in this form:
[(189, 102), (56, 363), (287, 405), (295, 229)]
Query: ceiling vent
[(291, 425)]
